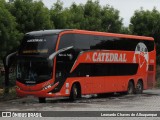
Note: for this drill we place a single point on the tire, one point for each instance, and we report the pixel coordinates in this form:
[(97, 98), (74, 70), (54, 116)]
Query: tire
[(139, 87), (131, 88), (42, 100), (75, 92)]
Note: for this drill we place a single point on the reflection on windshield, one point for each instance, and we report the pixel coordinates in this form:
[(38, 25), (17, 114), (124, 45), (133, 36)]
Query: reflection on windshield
[(33, 71)]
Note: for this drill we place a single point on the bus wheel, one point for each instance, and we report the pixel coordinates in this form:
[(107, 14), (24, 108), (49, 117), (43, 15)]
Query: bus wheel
[(74, 92), (130, 88), (139, 87), (42, 100)]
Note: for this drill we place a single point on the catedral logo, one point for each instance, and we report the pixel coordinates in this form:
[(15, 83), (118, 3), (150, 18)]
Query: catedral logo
[(141, 55), (109, 57)]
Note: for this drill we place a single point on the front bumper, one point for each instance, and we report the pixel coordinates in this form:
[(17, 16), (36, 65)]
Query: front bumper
[(23, 91), (41, 93)]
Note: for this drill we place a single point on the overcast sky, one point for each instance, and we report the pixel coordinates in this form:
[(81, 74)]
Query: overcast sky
[(126, 7)]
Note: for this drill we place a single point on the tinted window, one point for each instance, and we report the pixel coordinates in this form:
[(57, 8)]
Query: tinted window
[(66, 41), (95, 42), (113, 43), (32, 70), (82, 42), (92, 42), (38, 45), (105, 69)]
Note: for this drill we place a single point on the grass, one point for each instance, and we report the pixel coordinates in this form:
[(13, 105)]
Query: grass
[(11, 95)]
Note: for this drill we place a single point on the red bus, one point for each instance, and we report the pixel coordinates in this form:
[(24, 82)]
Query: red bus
[(71, 63)]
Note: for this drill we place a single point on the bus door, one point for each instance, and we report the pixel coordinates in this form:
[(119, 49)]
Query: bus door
[(64, 62)]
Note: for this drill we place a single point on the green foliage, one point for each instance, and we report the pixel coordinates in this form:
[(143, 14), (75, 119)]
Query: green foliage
[(90, 16), (9, 36), (23, 16), (31, 15), (145, 22), (125, 30), (75, 16)]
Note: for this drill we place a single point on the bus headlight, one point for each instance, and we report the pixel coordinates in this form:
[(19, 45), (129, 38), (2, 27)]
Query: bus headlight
[(46, 87)]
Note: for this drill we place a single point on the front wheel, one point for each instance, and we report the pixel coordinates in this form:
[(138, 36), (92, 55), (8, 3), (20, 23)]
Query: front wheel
[(75, 92), (139, 87)]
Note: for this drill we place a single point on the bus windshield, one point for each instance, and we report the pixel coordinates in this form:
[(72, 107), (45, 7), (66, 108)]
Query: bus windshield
[(32, 64), (38, 45), (31, 70)]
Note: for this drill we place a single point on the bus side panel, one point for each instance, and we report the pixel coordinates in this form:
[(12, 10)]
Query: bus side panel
[(98, 84), (84, 84), (151, 70)]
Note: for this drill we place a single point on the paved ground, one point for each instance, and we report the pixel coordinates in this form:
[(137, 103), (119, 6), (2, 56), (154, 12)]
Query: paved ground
[(148, 101)]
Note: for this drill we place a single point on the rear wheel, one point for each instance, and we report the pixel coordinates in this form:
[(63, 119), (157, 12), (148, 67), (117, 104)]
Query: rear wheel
[(75, 92), (139, 87), (130, 88), (42, 100)]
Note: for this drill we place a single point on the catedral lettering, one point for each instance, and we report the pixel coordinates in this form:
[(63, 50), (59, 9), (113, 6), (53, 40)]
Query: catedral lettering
[(108, 57), (68, 63)]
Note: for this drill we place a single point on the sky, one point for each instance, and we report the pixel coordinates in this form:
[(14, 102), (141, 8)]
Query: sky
[(126, 7)]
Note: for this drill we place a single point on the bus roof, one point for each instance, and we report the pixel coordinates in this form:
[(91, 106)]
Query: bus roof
[(57, 31), (46, 32)]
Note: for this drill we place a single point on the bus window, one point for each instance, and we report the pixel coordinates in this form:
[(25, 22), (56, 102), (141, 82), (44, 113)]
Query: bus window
[(38, 45), (82, 42), (66, 41), (95, 42)]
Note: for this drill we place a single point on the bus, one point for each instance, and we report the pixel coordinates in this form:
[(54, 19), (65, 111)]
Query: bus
[(71, 63)]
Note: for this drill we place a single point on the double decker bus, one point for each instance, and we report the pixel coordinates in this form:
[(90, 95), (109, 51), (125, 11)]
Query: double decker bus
[(71, 63)]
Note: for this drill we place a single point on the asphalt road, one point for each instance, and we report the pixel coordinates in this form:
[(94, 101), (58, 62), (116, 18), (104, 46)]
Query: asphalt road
[(148, 101)]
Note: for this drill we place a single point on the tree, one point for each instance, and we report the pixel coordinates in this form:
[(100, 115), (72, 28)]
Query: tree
[(125, 30), (111, 21), (90, 16), (9, 36), (58, 15), (31, 15), (145, 22), (75, 16)]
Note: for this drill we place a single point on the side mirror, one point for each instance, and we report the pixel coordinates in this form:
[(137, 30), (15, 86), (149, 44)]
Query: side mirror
[(53, 55), (8, 58)]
